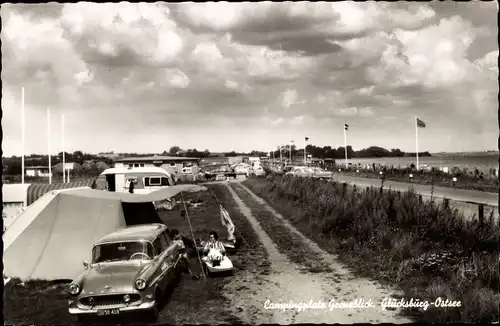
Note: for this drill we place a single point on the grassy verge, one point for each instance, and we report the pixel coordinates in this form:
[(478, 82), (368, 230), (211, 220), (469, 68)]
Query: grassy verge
[(287, 243), (439, 179), (428, 251)]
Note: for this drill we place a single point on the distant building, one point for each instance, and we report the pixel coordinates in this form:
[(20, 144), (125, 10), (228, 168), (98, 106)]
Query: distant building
[(235, 159), (37, 171), (14, 201), (172, 164), (69, 166)]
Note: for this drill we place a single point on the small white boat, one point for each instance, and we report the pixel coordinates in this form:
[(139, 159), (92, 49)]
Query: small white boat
[(216, 263)]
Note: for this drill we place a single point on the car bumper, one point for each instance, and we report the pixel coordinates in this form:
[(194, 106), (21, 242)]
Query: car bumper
[(89, 312)]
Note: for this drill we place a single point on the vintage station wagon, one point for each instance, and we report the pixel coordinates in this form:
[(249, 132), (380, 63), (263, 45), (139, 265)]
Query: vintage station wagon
[(130, 270)]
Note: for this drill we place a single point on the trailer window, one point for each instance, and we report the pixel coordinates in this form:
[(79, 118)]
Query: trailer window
[(155, 181), (164, 181)]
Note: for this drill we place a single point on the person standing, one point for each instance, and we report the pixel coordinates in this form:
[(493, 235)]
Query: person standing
[(187, 249)]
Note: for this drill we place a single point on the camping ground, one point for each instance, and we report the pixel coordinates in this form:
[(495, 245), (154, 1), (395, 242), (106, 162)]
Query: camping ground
[(279, 262)]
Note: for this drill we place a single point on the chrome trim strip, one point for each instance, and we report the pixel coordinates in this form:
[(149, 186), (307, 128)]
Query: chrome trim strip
[(142, 306)]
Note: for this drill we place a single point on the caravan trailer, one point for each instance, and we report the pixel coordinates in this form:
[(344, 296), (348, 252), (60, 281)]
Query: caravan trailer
[(145, 179)]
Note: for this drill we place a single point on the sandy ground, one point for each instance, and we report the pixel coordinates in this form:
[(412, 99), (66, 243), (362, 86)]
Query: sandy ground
[(287, 283)]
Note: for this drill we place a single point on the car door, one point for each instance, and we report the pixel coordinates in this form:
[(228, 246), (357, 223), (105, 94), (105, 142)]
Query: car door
[(168, 259)]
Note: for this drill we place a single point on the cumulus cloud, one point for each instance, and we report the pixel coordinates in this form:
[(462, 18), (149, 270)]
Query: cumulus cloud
[(297, 120), (176, 78), (255, 65), (289, 97), (274, 122)]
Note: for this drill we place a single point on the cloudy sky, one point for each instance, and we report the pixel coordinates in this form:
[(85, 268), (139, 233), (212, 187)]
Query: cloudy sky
[(242, 76)]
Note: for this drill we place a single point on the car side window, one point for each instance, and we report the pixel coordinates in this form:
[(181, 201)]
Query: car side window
[(158, 247), (164, 241)]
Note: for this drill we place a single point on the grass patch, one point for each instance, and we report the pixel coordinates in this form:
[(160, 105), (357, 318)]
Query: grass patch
[(35, 302), (289, 244), (429, 251)]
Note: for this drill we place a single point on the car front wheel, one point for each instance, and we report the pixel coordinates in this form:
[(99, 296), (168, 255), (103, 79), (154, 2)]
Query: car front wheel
[(153, 314)]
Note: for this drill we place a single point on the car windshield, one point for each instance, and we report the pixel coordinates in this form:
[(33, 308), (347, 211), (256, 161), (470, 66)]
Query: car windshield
[(121, 251), (319, 170)]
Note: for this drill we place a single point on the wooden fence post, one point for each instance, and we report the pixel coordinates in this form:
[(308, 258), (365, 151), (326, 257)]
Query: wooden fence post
[(344, 187), (481, 214), (420, 199)]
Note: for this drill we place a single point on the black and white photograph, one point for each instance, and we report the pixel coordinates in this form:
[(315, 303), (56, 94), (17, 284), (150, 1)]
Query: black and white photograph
[(175, 163)]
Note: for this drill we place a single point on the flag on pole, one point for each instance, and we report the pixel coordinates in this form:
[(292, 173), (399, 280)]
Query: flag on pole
[(346, 126), (420, 123), (227, 222), (306, 138)]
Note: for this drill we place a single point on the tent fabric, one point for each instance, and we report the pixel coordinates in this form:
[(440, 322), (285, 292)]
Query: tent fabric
[(24, 219), (125, 197), (60, 237), (140, 213), (36, 191)]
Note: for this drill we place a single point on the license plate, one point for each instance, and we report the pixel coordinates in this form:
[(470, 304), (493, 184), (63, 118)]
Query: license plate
[(108, 312)]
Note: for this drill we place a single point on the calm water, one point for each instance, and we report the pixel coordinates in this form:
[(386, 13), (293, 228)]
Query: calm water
[(481, 162)]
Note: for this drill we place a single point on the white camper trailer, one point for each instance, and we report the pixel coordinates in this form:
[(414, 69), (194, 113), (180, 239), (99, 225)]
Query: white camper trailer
[(145, 179)]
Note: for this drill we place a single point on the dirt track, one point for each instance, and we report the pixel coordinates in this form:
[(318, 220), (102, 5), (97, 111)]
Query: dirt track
[(288, 282)]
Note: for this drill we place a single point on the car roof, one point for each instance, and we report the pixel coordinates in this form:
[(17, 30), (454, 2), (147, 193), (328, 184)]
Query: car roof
[(146, 232)]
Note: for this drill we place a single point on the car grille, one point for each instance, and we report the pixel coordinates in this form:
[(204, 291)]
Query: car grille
[(109, 300)]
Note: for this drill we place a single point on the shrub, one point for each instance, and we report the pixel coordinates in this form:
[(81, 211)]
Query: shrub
[(429, 249)]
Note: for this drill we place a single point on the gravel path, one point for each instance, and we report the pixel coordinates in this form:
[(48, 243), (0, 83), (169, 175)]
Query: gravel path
[(287, 281)]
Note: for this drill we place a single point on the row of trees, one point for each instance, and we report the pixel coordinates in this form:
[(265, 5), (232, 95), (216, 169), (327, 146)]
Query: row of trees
[(339, 153)]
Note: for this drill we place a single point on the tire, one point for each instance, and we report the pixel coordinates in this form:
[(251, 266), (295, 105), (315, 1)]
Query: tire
[(153, 314), (83, 320)]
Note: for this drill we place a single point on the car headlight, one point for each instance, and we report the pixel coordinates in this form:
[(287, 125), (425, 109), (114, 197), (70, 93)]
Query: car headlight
[(140, 284), (74, 288)]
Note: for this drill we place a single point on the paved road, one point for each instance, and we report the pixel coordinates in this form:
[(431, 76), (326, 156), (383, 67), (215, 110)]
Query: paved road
[(487, 198)]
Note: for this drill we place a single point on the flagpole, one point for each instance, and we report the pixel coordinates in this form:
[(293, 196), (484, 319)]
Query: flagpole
[(345, 142), (22, 135), (290, 151), (305, 161), (48, 135), (416, 141), (63, 156)]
